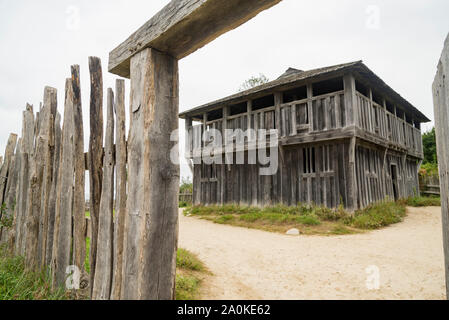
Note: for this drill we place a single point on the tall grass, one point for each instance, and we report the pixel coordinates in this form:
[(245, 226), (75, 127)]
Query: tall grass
[(18, 284)]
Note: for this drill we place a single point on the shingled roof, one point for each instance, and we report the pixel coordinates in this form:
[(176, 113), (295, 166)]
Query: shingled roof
[(295, 76)]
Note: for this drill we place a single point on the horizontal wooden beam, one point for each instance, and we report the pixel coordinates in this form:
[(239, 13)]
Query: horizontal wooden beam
[(184, 26)]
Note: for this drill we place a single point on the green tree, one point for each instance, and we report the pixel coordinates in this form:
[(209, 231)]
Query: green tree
[(186, 186), (254, 82), (430, 147)]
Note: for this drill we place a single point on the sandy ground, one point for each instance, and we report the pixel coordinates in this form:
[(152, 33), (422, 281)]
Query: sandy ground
[(252, 264)]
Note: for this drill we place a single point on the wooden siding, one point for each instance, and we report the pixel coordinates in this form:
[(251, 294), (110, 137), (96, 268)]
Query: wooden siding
[(309, 173)]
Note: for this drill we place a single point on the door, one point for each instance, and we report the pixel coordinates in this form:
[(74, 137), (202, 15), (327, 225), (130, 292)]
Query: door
[(394, 179)]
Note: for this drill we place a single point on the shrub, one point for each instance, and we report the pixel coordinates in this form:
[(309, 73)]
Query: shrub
[(327, 214), (379, 215), (422, 202)]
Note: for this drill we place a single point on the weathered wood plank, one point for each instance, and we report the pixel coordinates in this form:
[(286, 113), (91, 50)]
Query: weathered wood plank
[(10, 194), (103, 269), (11, 200), (184, 26), (95, 154), (34, 205), (441, 107), (62, 241), (46, 131), (53, 191), (9, 153), (120, 198), (79, 214), (22, 200), (152, 220)]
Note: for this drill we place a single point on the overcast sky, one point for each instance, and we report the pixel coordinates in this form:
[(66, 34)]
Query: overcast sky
[(400, 40)]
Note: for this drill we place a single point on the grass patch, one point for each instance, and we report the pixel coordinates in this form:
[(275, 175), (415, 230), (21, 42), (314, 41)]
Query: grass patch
[(187, 287), (188, 261), (378, 216), (422, 202), (18, 284), (309, 219), (190, 275)]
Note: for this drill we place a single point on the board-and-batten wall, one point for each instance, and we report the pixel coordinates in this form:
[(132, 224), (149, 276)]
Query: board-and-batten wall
[(315, 173), (307, 173), (381, 175)]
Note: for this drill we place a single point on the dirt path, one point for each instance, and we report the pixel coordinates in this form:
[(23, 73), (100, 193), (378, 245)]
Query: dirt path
[(252, 264)]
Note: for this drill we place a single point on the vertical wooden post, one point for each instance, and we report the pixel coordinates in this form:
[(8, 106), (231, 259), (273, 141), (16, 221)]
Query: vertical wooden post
[(34, 205), (53, 190), (441, 107), (5, 171), (95, 154), (63, 221), (79, 201), (352, 176), (9, 153), (103, 269), (120, 197), (22, 200), (352, 113), (11, 196), (46, 132), (310, 106), (152, 220)]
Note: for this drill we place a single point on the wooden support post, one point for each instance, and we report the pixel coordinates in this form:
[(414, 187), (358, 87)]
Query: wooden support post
[(79, 201), (352, 176), (310, 106), (372, 111), (352, 113), (441, 107), (62, 241), (95, 154), (188, 139), (278, 119), (103, 269), (294, 130), (152, 219), (120, 197)]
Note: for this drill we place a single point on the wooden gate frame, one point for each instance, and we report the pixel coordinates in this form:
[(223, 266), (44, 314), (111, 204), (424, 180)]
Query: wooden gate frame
[(441, 108), (149, 58)]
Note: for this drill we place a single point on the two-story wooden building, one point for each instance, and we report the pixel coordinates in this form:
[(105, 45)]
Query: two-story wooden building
[(344, 137)]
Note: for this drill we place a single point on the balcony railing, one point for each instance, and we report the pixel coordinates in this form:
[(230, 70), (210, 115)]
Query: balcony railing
[(318, 114)]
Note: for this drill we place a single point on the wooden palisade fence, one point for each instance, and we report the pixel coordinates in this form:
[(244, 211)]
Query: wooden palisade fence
[(132, 251), (42, 187)]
